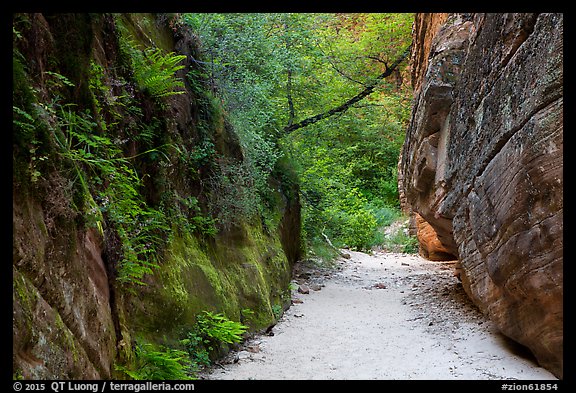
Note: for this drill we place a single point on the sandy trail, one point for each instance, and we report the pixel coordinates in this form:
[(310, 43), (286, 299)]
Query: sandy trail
[(380, 317)]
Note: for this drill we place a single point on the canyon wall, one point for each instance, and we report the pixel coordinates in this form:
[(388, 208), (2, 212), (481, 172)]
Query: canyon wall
[(129, 218), (482, 165)]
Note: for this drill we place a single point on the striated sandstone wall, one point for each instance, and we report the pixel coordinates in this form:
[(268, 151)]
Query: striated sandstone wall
[(482, 164)]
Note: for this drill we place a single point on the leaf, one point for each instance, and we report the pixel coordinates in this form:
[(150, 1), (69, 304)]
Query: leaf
[(155, 72), (61, 79)]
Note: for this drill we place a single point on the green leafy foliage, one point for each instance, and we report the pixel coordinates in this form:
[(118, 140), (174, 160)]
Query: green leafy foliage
[(155, 71), (188, 216), (198, 348), (210, 331), (218, 328), (140, 228), (232, 193), (348, 179), (159, 364), (22, 119), (234, 46), (277, 311), (346, 164)]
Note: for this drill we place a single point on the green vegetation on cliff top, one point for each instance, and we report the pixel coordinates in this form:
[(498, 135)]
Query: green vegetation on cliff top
[(346, 164)]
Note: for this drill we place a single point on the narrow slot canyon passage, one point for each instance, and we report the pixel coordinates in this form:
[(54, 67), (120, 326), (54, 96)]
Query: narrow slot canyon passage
[(187, 187), (385, 316)]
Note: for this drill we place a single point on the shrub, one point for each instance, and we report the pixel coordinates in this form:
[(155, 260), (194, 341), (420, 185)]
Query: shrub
[(399, 240), (349, 222), (359, 230), (198, 349)]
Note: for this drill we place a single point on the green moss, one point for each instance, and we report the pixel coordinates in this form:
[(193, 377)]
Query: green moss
[(142, 29), (231, 275), (46, 333), (66, 339), (190, 277), (25, 296), (259, 271)]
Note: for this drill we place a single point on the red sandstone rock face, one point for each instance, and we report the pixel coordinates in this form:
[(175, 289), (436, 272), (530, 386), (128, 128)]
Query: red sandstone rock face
[(430, 246), (62, 322), (482, 164), (425, 28)]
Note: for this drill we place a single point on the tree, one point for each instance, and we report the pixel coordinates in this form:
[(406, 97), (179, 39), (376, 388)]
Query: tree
[(281, 74), (348, 103)]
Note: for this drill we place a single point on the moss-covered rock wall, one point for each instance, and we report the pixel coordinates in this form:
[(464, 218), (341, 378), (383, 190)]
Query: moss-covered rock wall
[(131, 197)]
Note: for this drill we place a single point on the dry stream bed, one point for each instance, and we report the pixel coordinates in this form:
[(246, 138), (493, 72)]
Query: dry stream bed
[(385, 316)]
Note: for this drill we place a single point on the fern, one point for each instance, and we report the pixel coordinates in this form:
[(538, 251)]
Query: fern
[(22, 119), (219, 328), (155, 72), (140, 228), (159, 364)]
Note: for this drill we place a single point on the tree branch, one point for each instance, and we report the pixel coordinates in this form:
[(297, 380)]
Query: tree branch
[(378, 60), (327, 57), (346, 105), (289, 97), (344, 75)]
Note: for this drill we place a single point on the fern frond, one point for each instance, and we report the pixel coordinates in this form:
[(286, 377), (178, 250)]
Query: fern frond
[(156, 72)]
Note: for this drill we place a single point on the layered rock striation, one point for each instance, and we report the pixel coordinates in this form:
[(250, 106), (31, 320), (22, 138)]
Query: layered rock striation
[(482, 164)]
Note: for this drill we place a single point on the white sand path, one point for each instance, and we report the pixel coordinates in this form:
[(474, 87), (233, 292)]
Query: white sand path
[(386, 316)]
